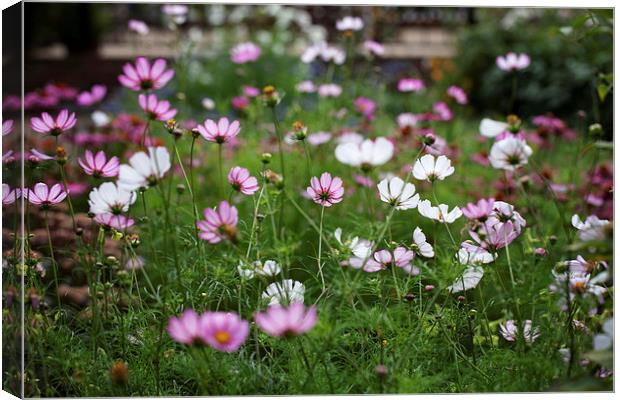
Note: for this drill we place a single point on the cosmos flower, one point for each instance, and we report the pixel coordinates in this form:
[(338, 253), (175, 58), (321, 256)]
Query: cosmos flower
[(468, 280), (286, 292), (411, 85), (329, 90), (220, 132), (421, 246), (458, 94), (269, 268), (479, 211), (306, 87), (98, 165), (43, 195), (224, 331), (144, 170), (513, 61), (109, 198), (491, 128), (144, 76), (140, 27), (326, 191), (439, 213), (406, 121), (220, 223), (398, 194), (156, 109), (95, 95), (360, 248), (241, 181), (509, 154), (319, 138), (54, 127), (350, 23), (326, 52), (366, 107), (592, 228), (293, 320), (176, 12), (244, 53), (403, 258), (118, 222), (9, 196), (510, 332), (604, 340), (7, 127), (373, 48), (367, 154), (430, 169), (471, 254), (188, 329)]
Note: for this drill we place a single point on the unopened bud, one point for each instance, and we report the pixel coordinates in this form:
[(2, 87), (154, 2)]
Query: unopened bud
[(410, 297), (429, 288), (429, 139), (595, 130), (180, 188), (119, 373), (381, 370), (540, 251), (61, 155), (265, 158)]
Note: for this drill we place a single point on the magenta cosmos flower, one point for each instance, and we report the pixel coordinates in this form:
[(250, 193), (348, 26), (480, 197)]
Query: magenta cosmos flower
[(458, 94), (188, 328), (118, 222), (410, 85), (513, 61), (241, 181), (95, 95), (224, 331), (244, 53), (156, 109), (46, 124), (43, 195), (98, 165), (219, 224), (220, 132), (293, 320), (326, 190), (7, 127), (144, 76), (480, 210)]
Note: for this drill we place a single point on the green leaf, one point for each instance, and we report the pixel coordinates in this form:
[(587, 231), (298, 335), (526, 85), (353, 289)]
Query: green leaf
[(602, 90)]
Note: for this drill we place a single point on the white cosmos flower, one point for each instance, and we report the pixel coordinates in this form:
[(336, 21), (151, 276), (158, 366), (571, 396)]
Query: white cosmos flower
[(491, 128), (397, 193), (361, 248), (269, 268), (439, 213), (144, 170), (110, 198), (350, 23), (428, 168), (468, 280), (423, 247), (592, 228), (605, 340), (470, 254), (100, 118), (286, 292), (509, 154), (369, 153)]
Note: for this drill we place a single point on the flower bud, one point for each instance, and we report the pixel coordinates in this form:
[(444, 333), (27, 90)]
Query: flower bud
[(265, 158), (271, 97), (300, 130), (61, 155), (595, 130), (540, 251), (514, 123), (429, 288), (195, 133), (119, 373), (428, 139), (553, 239), (381, 370), (180, 188), (410, 297)]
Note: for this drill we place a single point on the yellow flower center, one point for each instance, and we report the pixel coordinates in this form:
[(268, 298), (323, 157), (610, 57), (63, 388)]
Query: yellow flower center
[(222, 337)]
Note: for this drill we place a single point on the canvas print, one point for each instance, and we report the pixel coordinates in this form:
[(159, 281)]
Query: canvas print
[(225, 199)]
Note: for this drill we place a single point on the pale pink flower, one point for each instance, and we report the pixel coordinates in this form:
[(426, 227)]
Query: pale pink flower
[(306, 87), (140, 27), (458, 94), (374, 48), (480, 210), (7, 127), (318, 138), (513, 61), (118, 222), (48, 125), (510, 332), (219, 224), (330, 90), (403, 258), (43, 195), (244, 53), (224, 331), (251, 91), (326, 191), (220, 132), (98, 165), (240, 102), (144, 76), (9, 195), (95, 95), (156, 109), (380, 260), (442, 111), (188, 328), (350, 23), (366, 107), (411, 85), (280, 321), (241, 181)]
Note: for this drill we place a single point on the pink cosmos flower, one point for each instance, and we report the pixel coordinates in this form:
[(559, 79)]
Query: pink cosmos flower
[(363, 181), (442, 111), (513, 61), (188, 328), (98, 165), (219, 224), (366, 107), (411, 85), (95, 95), (7, 127), (327, 190), (61, 91), (306, 87), (241, 181), (480, 210), (9, 195), (118, 222), (330, 90), (403, 258), (224, 331), (48, 125), (318, 138), (374, 48), (251, 91), (240, 102), (458, 94), (293, 320), (43, 195), (144, 76), (140, 27), (156, 109), (495, 235), (380, 260), (510, 331), (244, 53), (221, 132)]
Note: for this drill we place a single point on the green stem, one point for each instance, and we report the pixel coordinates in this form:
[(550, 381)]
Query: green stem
[(54, 263)]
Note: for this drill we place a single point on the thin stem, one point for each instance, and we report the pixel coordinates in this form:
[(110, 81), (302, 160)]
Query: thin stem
[(320, 248), (54, 263)]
